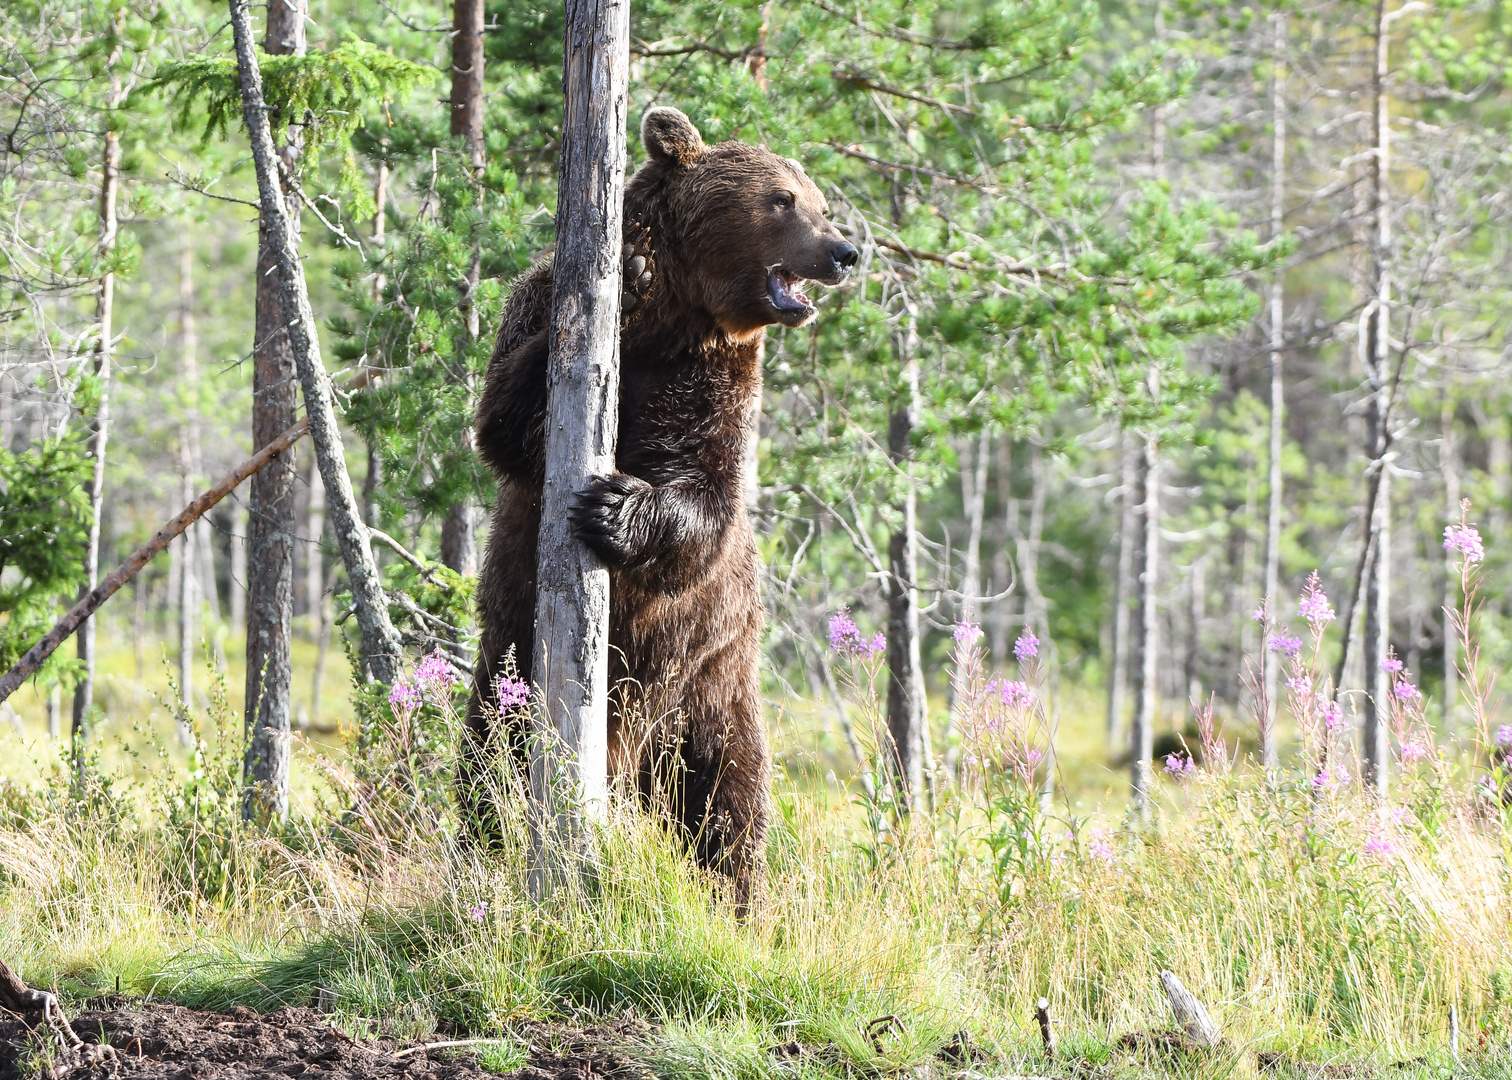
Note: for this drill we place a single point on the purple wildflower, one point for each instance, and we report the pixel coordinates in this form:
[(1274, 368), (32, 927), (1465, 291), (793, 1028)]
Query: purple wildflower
[(512, 693), (1179, 765), (1405, 691), (1465, 539), (1286, 645), (1314, 606), (1099, 848), (1301, 684), (1504, 735), (1413, 751), (1331, 712), (845, 636), (1027, 645), (1259, 614), (1011, 692), (479, 911), (967, 633), (436, 674), (404, 697), (1391, 664), (1380, 845)]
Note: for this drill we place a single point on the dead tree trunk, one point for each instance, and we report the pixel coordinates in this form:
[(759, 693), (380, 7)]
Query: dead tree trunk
[(270, 539), (380, 649), (569, 750), (1449, 471), (1374, 753), (905, 685), (1272, 661), (1142, 740), (1128, 541), (99, 428), (314, 584), (459, 544)]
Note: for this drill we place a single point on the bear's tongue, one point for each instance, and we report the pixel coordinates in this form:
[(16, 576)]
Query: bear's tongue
[(784, 296)]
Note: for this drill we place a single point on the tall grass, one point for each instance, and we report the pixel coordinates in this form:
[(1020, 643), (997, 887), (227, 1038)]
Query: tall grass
[(1311, 918)]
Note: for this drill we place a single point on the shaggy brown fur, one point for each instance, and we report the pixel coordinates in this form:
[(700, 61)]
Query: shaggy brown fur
[(730, 231)]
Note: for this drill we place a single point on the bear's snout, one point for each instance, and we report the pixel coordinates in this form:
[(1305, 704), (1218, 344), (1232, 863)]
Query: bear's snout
[(843, 257)]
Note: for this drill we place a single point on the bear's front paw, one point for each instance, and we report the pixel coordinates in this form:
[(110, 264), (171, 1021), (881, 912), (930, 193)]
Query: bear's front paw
[(608, 516)]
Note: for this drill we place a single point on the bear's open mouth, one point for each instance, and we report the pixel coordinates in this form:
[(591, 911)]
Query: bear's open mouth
[(783, 294)]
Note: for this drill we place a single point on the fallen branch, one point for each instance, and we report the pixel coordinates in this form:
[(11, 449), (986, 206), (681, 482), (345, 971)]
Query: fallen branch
[(451, 1045), (37, 655)]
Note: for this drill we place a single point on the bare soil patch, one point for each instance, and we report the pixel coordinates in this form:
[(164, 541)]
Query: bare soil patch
[(154, 1041)]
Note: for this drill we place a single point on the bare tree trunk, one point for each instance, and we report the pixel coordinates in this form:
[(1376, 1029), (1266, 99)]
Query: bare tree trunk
[(1142, 742), (569, 752), (459, 545), (237, 598), (1378, 417), (974, 499), (1128, 541), (314, 583), (99, 428), (380, 651), (905, 685), (1498, 435), (187, 599), (1272, 662), (270, 541), (1449, 470), (1002, 571)]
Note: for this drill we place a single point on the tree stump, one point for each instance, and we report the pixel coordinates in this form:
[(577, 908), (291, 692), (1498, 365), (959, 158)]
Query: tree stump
[(1191, 1015)]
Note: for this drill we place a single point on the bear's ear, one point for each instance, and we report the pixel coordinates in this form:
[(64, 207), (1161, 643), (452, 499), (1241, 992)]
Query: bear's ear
[(670, 137)]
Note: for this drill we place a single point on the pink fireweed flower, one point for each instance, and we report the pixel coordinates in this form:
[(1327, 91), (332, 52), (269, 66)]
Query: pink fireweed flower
[(1259, 614), (1504, 735), (967, 633), (1314, 606), (1391, 664), (1465, 539), (1405, 691), (1099, 848), (404, 697), (479, 911), (1299, 684), (845, 636), (1011, 692), (1330, 712), (1331, 780), (1376, 844), (1027, 645), (1413, 751), (1179, 765), (435, 674), (1285, 645), (512, 693)]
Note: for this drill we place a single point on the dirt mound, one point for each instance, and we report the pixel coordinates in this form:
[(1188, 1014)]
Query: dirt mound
[(154, 1041)]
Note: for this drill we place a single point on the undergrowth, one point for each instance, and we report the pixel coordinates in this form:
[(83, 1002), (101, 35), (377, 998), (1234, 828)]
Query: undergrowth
[(1319, 924)]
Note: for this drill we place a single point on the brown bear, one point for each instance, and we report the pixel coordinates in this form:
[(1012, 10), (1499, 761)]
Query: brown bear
[(717, 241)]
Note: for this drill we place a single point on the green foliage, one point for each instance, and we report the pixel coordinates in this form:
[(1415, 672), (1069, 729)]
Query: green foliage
[(327, 93), (44, 524)]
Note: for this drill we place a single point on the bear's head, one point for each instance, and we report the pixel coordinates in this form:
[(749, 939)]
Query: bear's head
[(739, 228)]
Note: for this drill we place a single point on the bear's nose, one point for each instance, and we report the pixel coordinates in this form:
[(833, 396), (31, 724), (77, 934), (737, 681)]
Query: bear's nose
[(844, 256)]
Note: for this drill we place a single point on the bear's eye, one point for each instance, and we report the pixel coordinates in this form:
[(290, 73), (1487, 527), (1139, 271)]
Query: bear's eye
[(783, 200)]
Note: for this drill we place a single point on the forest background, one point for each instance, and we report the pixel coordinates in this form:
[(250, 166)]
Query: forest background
[(1088, 254), (1162, 308)]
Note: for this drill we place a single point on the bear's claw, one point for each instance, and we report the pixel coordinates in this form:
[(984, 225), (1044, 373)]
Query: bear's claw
[(604, 517), (639, 271)]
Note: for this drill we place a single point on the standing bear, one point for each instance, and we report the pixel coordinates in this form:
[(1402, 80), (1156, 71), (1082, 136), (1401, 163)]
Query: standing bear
[(718, 241)]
